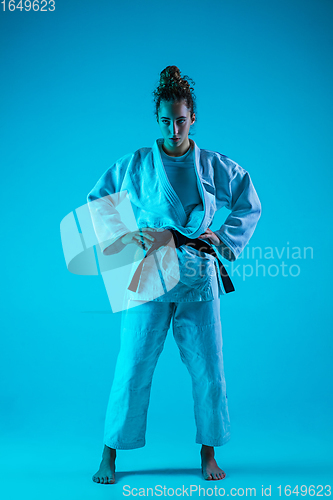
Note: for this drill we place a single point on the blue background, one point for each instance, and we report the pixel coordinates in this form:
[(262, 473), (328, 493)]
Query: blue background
[(75, 96)]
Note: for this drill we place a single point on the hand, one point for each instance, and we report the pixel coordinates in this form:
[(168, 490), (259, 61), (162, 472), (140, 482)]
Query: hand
[(208, 234), (141, 238)]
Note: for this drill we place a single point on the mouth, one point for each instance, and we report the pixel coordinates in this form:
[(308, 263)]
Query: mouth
[(176, 139)]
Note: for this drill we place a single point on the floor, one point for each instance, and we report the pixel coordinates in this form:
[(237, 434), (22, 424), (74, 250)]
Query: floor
[(60, 467)]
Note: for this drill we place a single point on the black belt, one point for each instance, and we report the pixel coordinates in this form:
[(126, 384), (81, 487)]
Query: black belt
[(163, 238)]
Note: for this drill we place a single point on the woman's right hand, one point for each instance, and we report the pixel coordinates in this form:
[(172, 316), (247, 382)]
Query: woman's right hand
[(141, 238)]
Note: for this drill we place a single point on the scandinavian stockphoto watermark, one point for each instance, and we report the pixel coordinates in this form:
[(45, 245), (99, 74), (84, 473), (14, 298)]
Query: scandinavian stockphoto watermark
[(284, 261), (91, 237), (269, 261)]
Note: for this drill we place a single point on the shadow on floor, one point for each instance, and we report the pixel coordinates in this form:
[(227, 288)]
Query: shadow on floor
[(160, 472)]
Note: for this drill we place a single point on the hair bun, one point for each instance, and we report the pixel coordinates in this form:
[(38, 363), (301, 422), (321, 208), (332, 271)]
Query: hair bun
[(174, 87), (170, 76)]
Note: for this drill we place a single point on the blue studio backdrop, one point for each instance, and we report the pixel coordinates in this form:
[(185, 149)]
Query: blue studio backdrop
[(76, 95)]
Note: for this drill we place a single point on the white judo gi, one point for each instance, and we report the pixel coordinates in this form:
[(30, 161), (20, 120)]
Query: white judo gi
[(193, 305)]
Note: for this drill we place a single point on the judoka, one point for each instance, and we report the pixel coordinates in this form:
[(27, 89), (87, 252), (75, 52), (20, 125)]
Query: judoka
[(173, 186)]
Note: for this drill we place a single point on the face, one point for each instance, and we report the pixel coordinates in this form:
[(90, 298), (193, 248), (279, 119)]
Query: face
[(174, 119)]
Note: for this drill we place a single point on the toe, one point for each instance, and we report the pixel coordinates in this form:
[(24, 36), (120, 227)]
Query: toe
[(204, 474), (207, 475)]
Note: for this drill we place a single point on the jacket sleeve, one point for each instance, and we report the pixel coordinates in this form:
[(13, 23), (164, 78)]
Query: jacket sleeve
[(235, 191), (102, 202)]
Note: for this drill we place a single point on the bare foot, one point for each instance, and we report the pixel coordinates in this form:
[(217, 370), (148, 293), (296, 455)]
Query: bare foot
[(210, 469), (107, 468)]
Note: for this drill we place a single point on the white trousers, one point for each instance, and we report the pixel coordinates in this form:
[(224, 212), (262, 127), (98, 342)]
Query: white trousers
[(197, 331)]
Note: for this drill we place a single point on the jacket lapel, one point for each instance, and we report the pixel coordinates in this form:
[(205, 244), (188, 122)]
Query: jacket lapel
[(198, 217)]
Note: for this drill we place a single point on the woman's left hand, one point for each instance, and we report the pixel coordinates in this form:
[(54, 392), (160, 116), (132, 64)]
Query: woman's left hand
[(208, 234)]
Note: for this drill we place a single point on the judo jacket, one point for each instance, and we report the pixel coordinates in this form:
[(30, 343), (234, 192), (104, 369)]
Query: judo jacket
[(140, 178)]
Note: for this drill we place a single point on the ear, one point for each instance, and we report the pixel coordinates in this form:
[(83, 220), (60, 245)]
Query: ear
[(193, 119)]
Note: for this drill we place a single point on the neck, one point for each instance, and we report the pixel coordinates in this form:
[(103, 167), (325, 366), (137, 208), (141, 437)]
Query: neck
[(177, 151)]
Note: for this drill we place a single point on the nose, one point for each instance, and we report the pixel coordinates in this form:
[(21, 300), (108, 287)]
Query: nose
[(175, 129)]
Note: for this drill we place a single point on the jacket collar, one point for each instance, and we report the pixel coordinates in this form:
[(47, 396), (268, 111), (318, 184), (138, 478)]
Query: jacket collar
[(157, 155)]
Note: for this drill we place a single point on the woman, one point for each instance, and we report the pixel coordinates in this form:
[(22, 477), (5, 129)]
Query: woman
[(175, 188)]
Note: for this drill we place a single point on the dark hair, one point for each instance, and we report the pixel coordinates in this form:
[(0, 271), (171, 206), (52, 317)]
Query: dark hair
[(173, 87)]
